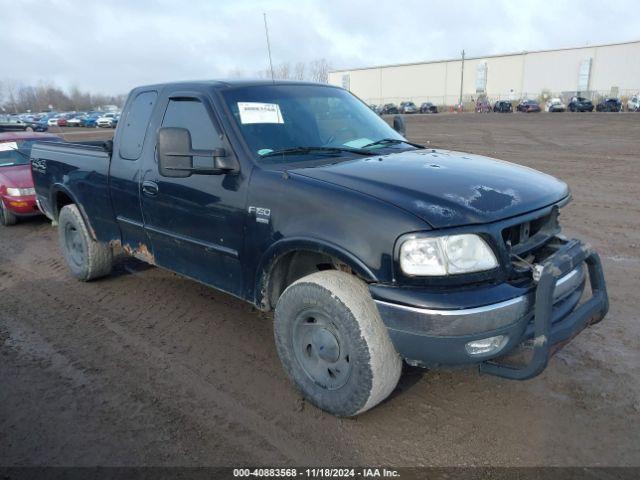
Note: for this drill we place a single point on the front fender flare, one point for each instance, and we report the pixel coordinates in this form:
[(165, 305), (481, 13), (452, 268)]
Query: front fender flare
[(308, 244)]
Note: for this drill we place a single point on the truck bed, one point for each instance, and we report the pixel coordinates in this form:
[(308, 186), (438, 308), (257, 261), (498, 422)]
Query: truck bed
[(75, 172)]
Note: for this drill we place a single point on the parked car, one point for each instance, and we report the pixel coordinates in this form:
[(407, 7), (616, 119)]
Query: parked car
[(14, 124), (633, 104), (53, 121), (17, 195), (503, 106), (75, 120), (106, 121), (90, 121), (454, 261), (408, 107), (580, 104), (483, 105), (609, 104), (555, 105), (389, 109), (428, 107), (528, 106)]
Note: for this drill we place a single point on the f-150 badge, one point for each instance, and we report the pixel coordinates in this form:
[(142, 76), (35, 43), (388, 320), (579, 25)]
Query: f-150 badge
[(263, 215)]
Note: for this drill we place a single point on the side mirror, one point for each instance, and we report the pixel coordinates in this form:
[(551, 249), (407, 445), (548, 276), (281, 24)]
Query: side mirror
[(399, 125), (175, 156)]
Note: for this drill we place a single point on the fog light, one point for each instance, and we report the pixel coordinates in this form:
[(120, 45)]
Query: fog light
[(486, 345)]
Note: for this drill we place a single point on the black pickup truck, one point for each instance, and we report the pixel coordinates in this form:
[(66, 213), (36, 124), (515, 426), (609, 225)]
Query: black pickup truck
[(371, 250)]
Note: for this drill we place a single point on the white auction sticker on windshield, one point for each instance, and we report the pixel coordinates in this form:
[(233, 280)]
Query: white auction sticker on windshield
[(7, 146), (255, 112)]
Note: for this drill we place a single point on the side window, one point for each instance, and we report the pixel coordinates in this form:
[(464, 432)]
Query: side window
[(190, 113), (135, 125)]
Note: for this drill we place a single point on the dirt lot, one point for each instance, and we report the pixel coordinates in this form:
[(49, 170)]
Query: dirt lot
[(147, 368)]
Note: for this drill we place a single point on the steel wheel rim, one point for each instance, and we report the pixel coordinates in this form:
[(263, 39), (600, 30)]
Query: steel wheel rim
[(73, 243), (321, 349)]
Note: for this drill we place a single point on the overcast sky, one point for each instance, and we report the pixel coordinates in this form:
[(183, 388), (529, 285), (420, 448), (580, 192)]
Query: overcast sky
[(114, 45)]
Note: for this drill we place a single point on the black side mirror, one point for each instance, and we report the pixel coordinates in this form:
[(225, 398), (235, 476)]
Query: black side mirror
[(399, 126), (175, 156)]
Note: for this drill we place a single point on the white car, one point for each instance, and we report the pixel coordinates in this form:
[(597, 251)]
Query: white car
[(53, 122), (106, 121), (74, 122), (633, 104), (555, 105)]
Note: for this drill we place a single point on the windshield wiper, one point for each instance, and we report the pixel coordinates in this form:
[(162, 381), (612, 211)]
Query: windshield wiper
[(391, 141), (308, 150)]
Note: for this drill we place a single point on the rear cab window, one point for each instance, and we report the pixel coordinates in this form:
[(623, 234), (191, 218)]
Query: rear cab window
[(135, 123)]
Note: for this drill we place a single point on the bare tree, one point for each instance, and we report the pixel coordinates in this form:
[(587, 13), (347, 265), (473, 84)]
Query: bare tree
[(282, 71), (319, 71), (299, 71)]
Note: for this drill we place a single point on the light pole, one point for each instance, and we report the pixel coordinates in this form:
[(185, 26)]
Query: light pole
[(461, 80)]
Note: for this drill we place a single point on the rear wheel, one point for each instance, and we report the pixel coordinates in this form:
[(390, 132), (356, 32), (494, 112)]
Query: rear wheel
[(7, 218), (87, 259), (333, 344)]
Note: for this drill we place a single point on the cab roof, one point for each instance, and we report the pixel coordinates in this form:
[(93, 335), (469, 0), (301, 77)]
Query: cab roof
[(223, 84)]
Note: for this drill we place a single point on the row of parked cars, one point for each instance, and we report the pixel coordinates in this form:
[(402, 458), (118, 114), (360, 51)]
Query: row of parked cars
[(405, 107), (41, 122), (576, 104)]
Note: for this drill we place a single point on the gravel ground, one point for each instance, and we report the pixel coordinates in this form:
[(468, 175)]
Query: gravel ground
[(148, 368)]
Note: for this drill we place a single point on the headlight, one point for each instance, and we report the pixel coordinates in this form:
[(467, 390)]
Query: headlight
[(20, 192), (446, 255)]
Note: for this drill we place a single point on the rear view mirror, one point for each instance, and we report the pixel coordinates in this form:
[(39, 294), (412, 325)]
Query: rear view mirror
[(175, 156), (399, 126)]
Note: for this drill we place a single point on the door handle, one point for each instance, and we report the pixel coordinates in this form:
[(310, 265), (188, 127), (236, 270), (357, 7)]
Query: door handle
[(150, 188)]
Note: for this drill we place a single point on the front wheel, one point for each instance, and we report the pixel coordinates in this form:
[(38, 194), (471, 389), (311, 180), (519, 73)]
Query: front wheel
[(333, 344), (87, 259)]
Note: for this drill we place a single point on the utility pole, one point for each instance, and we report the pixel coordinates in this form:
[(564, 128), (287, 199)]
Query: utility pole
[(461, 79), (266, 32)]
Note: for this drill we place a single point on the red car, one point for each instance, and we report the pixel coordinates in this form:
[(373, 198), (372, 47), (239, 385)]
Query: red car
[(62, 122), (17, 195)]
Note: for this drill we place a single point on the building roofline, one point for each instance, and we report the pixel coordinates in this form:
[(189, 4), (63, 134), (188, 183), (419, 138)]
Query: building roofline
[(479, 57)]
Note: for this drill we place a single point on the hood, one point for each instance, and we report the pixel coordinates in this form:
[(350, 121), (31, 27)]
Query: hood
[(446, 189), (18, 176)]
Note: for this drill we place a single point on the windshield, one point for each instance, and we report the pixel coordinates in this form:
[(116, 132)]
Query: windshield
[(280, 117), (17, 152)]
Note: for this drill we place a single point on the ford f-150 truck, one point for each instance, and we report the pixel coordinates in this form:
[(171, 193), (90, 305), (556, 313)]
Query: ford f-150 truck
[(371, 250)]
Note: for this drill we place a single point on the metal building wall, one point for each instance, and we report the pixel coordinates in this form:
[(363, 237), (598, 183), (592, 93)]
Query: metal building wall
[(511, 76)]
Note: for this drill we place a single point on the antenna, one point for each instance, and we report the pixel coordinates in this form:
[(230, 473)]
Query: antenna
[(266, 32)]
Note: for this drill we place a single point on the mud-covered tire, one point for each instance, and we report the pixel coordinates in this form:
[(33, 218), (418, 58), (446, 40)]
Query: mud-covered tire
[(313, 315), (86, 258), (7, 218)]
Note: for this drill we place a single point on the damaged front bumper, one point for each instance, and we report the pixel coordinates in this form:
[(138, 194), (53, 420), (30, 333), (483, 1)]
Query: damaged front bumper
[(540, 317)]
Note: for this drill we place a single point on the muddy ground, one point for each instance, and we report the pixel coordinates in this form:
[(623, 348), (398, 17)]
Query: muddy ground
[(147, 368)]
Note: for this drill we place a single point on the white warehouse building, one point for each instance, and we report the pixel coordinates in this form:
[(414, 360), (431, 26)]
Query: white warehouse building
[(599, 70)]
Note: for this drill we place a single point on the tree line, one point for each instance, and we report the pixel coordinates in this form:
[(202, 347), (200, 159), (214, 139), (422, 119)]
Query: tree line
[(16, 97), (314, 71)]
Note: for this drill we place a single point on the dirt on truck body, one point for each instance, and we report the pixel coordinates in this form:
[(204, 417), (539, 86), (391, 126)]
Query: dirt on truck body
[(146, 367)]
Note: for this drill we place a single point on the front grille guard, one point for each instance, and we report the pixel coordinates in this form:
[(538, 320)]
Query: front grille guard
[(546, 334)]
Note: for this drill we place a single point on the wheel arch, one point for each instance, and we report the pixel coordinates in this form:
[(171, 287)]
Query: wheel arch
[(61, 196), (287, 260)]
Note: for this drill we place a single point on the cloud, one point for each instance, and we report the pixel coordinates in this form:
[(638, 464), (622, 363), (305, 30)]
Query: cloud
[(112, 46)]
